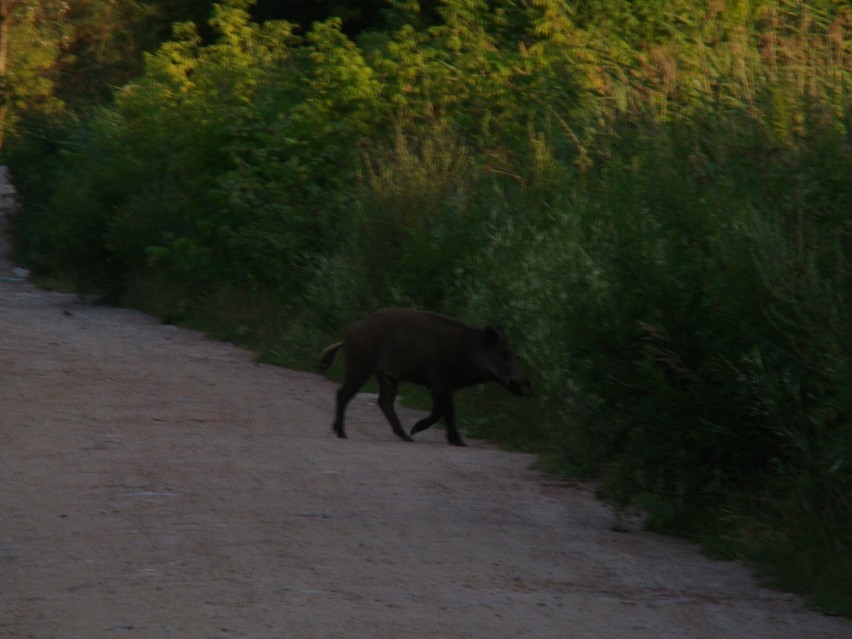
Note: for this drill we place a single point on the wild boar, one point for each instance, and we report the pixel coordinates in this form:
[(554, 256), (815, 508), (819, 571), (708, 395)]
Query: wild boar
[(406, 345)]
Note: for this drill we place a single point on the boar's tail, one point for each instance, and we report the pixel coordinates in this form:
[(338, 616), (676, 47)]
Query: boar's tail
[(327, 356)]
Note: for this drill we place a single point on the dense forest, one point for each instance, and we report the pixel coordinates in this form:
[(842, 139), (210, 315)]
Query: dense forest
[(654, 198)]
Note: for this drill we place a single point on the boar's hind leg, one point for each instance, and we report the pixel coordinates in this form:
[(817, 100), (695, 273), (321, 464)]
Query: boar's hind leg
[(387, 396), (351, 385)]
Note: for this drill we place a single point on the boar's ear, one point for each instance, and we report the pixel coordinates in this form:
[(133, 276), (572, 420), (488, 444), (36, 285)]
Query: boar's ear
[(494, 335)]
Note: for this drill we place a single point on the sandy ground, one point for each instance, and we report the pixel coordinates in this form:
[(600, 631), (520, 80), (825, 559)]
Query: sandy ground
[(154, 483)]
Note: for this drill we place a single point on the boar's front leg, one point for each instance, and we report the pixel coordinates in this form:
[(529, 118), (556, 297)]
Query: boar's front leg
[(427, 422), (387, 396), (442, 406), (450, 418)]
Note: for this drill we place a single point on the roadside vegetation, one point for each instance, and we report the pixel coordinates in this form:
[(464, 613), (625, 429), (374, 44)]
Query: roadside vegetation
[(654, 199)]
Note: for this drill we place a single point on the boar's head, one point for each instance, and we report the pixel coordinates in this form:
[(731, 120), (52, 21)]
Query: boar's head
[(501, 364)]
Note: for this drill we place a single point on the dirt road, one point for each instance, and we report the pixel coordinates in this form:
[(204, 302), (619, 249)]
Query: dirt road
[(154, 484)]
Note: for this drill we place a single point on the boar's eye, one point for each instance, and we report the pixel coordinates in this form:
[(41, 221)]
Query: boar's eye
[(491, 336)]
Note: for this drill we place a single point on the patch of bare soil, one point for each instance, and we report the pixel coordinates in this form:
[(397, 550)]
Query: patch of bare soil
[(154, 483)]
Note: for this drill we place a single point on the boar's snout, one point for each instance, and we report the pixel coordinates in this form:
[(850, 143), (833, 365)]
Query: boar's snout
[(503, 365)]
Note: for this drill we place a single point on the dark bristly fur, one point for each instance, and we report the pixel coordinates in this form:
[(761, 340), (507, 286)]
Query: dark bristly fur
[(443, 354)]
